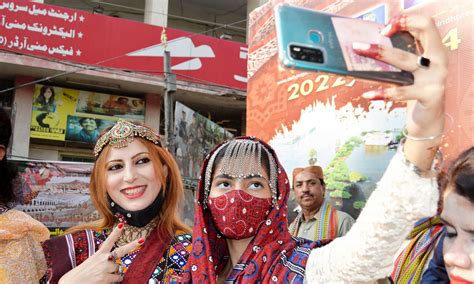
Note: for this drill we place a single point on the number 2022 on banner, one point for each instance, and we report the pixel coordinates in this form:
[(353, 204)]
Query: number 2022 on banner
[(321, 83)]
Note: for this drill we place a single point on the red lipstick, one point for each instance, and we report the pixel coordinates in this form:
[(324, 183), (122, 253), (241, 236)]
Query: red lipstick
[(131, 192)]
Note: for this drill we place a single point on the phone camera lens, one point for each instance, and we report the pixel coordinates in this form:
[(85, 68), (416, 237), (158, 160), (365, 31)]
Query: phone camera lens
[(307, 54), (318, 58)]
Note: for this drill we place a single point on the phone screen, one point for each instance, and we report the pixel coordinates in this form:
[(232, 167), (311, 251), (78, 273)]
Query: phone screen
[(354, 30)]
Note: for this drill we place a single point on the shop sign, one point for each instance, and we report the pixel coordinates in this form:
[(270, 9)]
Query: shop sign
[(73, 35)]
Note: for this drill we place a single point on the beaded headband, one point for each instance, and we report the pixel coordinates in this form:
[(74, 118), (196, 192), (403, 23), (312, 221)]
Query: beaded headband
[(122, 134), (242, 158)]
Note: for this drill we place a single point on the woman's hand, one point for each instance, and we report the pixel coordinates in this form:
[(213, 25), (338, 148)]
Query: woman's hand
[(425, 98), (101, 266)]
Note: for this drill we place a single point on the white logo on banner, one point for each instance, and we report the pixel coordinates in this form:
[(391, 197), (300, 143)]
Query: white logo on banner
[(243, 55), (179, 47)]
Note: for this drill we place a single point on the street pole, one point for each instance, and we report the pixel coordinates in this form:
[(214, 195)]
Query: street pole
[(170, 88)]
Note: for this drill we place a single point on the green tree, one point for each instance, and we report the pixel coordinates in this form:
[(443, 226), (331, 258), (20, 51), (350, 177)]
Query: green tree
[(359, 204), (340, 194), (356, 177)]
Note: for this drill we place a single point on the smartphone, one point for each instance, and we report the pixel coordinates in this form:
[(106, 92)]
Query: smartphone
[(312, 40)]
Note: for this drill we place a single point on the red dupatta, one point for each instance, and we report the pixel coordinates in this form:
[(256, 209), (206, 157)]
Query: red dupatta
[(148, 257), (272, 256)]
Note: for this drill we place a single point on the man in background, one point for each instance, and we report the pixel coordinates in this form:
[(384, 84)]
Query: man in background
[(317, 219)]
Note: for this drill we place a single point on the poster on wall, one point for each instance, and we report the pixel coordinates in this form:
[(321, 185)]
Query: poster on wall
[(317, 118), (55, 193), (111, 105), (195, 137), (85, 129), (60, 33), (72, 115), (50, 108)]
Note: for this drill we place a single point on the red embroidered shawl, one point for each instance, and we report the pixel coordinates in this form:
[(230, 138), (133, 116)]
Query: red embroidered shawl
[(272, 256)]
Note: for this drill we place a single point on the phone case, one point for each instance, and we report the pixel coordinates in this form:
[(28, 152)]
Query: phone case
[(327, 40)]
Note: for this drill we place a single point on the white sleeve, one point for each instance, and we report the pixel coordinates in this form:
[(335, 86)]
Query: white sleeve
[(367, 251)]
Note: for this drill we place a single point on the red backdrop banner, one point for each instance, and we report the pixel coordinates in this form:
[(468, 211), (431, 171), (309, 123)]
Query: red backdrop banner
[(320, 118), (276, 95), (66, 34)]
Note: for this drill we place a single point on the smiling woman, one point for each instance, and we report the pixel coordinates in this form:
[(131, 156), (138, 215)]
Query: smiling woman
[(132, 180), (136, 187)]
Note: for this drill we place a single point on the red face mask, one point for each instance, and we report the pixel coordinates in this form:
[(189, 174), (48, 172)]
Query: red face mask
[(237, 214)]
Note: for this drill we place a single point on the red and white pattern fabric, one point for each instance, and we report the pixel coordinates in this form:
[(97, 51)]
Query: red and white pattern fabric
[(237, 214)]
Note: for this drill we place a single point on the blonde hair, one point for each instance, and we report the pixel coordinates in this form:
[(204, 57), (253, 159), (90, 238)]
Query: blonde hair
[(169, 218)]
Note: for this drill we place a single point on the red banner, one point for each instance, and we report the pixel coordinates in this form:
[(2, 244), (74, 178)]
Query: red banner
[(317, 118), (278, 96), (66, 34)]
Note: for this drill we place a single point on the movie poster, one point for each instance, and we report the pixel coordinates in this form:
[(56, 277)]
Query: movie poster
[(111, 105), (317, 118), (195, 136), (51, 105), (71, 115), (86, 129)]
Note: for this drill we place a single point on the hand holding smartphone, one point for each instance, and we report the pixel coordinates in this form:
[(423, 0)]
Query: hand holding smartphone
[(313, 40)]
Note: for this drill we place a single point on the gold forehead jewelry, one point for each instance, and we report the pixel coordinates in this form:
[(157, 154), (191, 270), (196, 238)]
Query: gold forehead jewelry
[(122, 134)]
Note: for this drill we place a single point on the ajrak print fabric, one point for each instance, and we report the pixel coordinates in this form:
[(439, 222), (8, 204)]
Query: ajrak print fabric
[(273, 256), (66, 252), (237, 214)]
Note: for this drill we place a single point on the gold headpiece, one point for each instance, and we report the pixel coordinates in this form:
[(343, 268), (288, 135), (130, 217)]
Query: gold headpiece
[(122, 134)]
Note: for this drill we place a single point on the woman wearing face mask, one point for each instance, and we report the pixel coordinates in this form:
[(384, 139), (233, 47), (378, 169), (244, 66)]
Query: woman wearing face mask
[(453, 260), (241, 228), (136, 186)]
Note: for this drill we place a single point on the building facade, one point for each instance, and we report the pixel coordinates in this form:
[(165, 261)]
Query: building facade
[(104, 61)]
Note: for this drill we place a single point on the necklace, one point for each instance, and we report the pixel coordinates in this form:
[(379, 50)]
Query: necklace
[(131, 233)]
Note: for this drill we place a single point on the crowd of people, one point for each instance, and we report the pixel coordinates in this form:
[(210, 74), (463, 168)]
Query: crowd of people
[(241, 232)]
